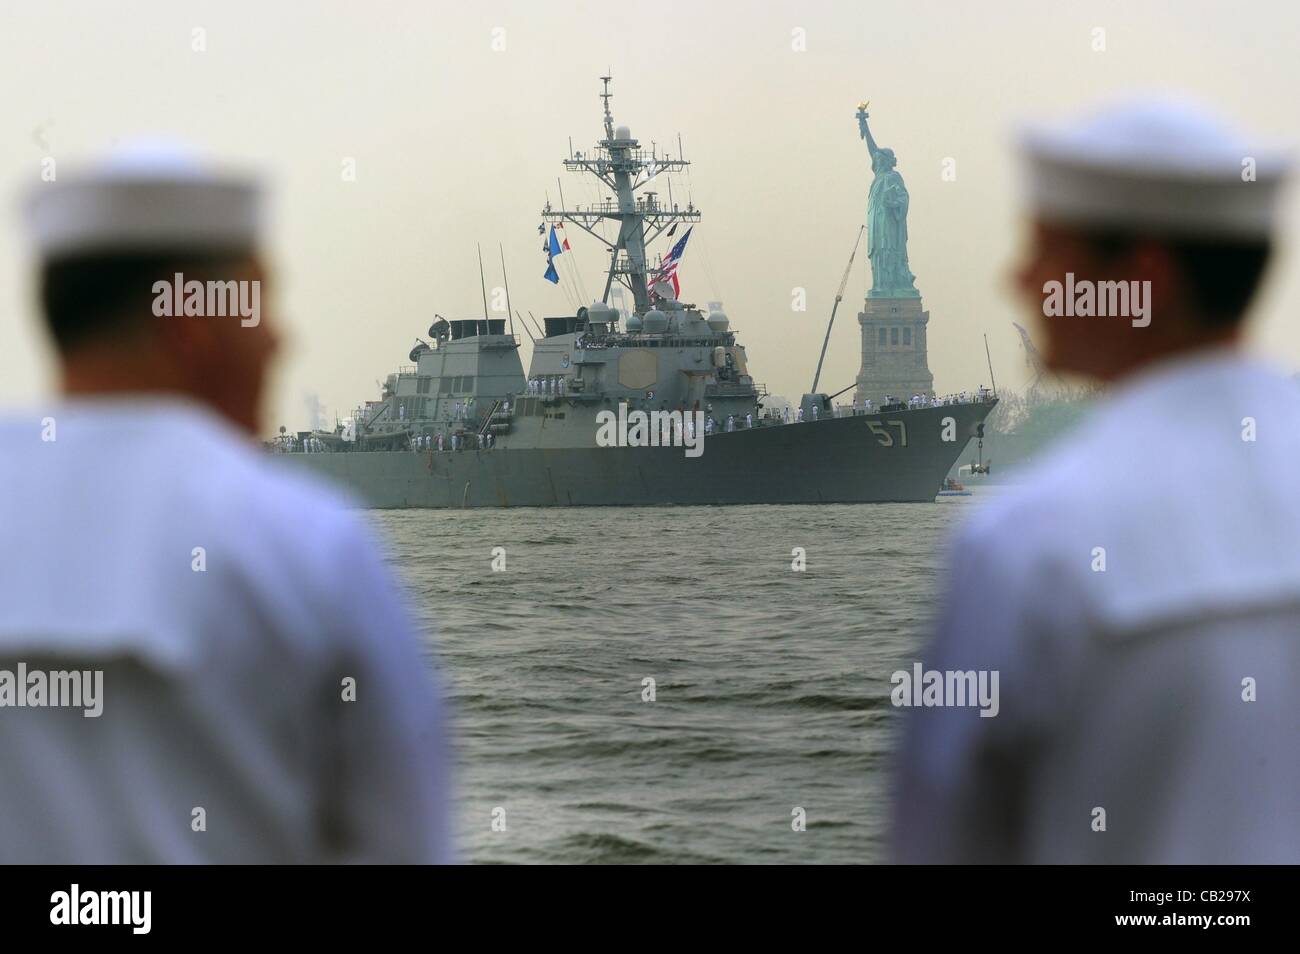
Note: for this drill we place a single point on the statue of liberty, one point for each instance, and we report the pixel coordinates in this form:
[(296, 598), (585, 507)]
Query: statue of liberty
[(886, 222)]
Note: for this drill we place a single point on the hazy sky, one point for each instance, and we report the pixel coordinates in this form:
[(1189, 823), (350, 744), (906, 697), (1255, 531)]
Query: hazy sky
[(456, 142)]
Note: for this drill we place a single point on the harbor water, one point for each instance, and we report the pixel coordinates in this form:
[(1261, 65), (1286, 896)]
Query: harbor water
[(769, 698)]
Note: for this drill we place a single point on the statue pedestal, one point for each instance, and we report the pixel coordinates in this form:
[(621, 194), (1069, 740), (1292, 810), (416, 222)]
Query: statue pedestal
[(894, 359)]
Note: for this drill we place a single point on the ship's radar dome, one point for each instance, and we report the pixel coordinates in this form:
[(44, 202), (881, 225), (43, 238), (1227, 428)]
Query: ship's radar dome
[(598, 312), (656, 322), (718, 321), (633, 323), (623, 134)]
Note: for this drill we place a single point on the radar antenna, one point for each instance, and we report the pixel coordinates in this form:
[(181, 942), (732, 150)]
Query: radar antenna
[(620, 163)]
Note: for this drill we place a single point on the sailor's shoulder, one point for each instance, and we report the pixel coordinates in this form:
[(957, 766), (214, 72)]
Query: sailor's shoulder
[(274, 503), (222, 483)]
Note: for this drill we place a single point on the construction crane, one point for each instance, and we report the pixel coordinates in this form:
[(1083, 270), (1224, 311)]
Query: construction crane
[(839, 296), (1032, 357), (1041, 370)]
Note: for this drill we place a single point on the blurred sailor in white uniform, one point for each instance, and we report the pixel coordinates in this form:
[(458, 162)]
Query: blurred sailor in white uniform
[(264, 698), (1138, 592)]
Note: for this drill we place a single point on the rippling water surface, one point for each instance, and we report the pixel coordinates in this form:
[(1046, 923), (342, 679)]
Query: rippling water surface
[(771, 686)]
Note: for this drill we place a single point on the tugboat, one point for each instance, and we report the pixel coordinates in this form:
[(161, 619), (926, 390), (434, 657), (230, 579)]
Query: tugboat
[(658, 406)]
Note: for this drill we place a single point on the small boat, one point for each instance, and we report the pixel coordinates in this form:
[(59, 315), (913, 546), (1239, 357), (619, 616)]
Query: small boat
[(951, 488)]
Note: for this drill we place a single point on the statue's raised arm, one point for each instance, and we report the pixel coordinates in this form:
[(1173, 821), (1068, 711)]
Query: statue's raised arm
[(864, 131)]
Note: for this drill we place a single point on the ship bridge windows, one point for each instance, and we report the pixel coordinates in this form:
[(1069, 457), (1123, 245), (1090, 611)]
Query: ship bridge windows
[(471, 327)]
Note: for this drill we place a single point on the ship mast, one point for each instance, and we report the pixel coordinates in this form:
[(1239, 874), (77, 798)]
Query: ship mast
[(624, 167)]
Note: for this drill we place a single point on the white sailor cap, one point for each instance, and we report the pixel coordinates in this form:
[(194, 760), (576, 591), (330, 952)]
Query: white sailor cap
[(1155, 164), (151, 196)]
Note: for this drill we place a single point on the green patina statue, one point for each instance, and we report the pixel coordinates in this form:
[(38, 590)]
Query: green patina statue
[(886, 222)]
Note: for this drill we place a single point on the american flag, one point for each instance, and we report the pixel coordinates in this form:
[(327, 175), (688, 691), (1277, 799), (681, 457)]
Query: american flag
[(668, 267)]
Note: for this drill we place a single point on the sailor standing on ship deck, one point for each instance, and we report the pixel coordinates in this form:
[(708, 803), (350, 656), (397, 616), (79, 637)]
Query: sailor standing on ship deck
[(264, 698), (1145, 632)]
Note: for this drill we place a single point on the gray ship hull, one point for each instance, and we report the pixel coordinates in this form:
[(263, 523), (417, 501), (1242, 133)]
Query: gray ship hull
[(839, 460)]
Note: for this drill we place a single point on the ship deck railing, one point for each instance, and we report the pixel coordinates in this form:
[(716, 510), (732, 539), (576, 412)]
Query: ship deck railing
[(496, 342), (986, 397), (650, 340), (730, 389), (292, 446)]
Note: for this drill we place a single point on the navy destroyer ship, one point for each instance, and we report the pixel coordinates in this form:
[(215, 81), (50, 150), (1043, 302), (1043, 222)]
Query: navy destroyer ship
[(655, 405)]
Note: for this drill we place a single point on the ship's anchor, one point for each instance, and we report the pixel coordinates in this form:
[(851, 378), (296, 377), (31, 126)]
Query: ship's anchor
[(980, 467)]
